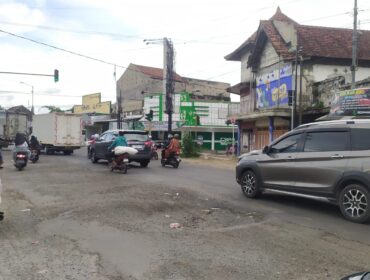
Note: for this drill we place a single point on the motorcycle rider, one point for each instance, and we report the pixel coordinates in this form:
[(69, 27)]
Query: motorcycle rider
[(173, 147), (21, 145), (119, 141), (166, 145), (34, 144)]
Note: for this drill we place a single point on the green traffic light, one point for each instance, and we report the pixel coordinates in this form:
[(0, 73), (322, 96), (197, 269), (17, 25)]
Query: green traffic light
[(56, 75)]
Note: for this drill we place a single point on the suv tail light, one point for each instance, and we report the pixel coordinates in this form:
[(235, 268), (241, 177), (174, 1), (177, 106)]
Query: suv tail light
[(148, 143)]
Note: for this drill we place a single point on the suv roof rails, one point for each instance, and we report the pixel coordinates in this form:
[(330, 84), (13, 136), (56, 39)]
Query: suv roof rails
[(342, 121)]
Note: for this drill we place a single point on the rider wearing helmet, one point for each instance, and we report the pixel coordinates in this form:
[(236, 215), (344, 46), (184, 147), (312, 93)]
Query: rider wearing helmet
[(174, 146)]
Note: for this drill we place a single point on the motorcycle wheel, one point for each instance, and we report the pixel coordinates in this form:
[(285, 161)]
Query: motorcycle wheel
[(124, 169), (155, 156)]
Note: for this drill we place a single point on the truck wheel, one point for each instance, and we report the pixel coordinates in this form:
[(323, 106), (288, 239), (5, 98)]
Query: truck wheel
[(68, 152), (49, 151)]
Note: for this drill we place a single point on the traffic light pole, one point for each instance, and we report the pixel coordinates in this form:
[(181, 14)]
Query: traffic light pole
[(55, 75)]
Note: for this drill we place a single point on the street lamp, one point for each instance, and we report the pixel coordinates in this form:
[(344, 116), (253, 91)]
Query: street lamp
[(32, 110)]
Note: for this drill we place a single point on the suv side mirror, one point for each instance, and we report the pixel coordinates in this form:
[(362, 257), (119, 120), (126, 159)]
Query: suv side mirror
[(265, 150)]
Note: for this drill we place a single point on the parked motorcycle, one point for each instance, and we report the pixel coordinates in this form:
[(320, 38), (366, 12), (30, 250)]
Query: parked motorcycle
[(173, 160), (21, 158), (120, 163), (34, 155)]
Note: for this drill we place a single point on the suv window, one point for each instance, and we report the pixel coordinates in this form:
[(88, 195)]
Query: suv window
[(136, 137), (287, 145), (326, 141), (109, 137), (360, 139), (102, 137)]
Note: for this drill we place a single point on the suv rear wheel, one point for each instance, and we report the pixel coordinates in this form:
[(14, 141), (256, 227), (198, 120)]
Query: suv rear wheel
[(249, 184), (354, 203), (144, 163)]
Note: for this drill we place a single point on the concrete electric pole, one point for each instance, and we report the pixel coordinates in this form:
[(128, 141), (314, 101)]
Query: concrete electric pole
[(354, 46), (168, 86)]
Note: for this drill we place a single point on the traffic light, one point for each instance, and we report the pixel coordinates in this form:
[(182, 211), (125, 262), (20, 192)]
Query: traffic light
[(56, 75), (149, 116), (290, 97)]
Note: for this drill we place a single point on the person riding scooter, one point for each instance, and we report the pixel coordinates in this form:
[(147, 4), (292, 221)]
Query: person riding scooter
[(174, 146), (119, 141), (21, 145), (35, 149)]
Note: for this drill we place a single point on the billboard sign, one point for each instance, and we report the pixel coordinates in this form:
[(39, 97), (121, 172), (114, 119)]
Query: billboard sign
[(91, 103), (351, 102), (272, 87)]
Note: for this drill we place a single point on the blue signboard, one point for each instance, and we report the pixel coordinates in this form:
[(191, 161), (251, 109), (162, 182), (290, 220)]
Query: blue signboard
[(272, 87)]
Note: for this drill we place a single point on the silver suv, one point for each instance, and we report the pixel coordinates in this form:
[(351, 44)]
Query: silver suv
[(327, 159)]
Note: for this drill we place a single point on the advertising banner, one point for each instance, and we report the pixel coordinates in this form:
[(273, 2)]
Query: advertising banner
[(272, 87), (351, 102)]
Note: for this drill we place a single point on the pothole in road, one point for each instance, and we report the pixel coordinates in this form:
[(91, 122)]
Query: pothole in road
[(148, 208)]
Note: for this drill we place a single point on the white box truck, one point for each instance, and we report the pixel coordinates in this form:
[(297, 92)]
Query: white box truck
[(58, 132), (10, 124)]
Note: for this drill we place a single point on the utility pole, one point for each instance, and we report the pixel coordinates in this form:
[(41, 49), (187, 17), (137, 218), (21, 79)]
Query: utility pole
[(300, 85), (354, 46), (118, 100), (168, 86), (294, 94), (32, 108)]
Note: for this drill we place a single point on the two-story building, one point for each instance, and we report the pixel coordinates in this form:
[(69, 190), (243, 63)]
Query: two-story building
[(139, 81), (284, 57)]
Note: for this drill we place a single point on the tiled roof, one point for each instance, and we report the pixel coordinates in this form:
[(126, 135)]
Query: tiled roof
[(249, 43), (317, 41), (276, 40), (155, 73), (282, 17), (329, 42)]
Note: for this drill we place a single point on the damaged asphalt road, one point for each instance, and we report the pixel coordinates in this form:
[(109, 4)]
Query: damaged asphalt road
[(66, 218)]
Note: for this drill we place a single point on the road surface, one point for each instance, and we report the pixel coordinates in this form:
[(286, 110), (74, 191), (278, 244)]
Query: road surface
[(66, 218)]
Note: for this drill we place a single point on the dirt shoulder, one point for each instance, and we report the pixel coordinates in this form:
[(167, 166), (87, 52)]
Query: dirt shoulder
[(214, 161)]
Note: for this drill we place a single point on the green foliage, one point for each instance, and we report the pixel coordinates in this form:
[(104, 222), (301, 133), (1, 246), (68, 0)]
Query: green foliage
[(189, 148), (53, 109)]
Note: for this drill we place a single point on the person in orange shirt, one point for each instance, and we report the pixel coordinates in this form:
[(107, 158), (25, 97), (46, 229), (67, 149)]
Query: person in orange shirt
[(174, 146)]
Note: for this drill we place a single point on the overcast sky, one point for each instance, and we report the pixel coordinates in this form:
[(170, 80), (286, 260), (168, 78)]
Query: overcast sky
[(203, 32)]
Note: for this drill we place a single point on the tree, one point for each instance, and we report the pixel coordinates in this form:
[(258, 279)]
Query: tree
[(53, 109), (189, 148)]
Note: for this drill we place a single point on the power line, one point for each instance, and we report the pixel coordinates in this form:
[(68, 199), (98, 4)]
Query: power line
[(62, 49), (70, 30), (40, 94)]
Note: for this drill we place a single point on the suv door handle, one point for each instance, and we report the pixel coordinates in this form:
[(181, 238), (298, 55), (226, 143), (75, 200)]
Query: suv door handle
[(290, 157), (337, 156)]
